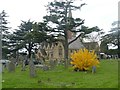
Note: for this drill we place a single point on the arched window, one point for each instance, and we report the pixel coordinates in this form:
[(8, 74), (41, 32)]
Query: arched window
[(51, 53), (60, 51)]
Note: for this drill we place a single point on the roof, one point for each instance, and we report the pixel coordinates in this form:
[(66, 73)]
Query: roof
[(76, 44), (91, 45)]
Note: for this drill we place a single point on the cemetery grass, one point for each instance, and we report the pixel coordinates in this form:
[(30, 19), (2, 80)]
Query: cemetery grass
[(59, 77)]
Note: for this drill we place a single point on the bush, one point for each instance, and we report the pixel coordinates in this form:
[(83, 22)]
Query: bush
[(84, 59)]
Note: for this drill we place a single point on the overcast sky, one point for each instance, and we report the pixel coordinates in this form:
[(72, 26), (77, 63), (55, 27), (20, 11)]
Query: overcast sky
[(99, 13)]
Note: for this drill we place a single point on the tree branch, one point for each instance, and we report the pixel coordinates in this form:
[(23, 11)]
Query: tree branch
[(75, 38)]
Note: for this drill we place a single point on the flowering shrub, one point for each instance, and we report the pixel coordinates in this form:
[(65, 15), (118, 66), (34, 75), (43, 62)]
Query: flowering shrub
[(84, 60)]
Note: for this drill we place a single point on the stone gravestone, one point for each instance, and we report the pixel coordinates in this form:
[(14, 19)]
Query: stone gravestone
[(32, 69), (23, 59), (45, 68), (52, 64), (7, 65), (23, 65), (11, 65), (2, 67), (93, 69)]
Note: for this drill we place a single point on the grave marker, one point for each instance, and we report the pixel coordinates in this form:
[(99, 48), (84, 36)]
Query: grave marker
[(11, 65)]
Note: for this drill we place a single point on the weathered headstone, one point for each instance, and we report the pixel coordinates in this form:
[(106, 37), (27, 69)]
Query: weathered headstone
[(52, 64), (7, 66), (11, 65), (45, 68), (2, 67), (24, 59), (23, 66), (20, 59), (93, 69), (32, 69)]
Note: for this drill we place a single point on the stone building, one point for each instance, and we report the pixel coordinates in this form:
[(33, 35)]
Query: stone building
[(55, 51), (92, 46)]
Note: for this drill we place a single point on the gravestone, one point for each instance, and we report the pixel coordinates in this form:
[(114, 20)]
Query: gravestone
[(20, 59), (52, 64), (32, 69), (45, 68), (23, 65), (2, 67), (7, 66), (11, 65), (23, 59), (93, 69)]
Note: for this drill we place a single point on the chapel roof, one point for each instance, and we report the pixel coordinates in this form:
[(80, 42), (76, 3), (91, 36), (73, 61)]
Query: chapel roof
[(76, 44)]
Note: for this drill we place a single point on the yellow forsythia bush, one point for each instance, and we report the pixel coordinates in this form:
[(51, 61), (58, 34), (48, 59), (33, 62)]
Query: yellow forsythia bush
[(84, 59)]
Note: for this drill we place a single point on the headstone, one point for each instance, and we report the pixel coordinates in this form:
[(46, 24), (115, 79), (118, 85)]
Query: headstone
[(23, 66), (2, 67), (93, 69), (7, 66), (45, 68), (32, 69), (11, 65), (20, 59), (52, 64)]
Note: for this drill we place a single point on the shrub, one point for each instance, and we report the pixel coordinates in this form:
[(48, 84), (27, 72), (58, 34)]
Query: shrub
[(84, 59)]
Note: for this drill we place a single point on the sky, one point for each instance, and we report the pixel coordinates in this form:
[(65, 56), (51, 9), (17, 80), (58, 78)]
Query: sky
[(101, 13)]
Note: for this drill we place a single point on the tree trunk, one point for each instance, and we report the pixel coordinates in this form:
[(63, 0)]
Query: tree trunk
[(29, 53), (66, 53), (29, 49), (66, 49), (66, 40)]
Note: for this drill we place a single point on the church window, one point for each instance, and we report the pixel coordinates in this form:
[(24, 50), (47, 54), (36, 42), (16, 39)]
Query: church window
[(60, 51)]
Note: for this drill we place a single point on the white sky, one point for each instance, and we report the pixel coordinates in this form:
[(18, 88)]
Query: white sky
[(101, 13)]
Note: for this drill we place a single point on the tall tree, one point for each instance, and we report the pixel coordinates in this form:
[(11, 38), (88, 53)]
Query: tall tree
[(3, 32), (113, 37), (29, 36), (61, 21), (104, 46)]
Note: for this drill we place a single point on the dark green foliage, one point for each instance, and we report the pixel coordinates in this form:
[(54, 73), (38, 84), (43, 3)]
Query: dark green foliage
[(28, 36), (4, 30), (113, 37), (4, 22), (103, 46)]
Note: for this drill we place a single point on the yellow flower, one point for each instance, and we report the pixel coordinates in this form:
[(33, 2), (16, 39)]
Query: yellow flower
[(84, 60)]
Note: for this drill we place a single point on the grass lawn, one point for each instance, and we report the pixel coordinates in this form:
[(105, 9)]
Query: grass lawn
[(105, 77)]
